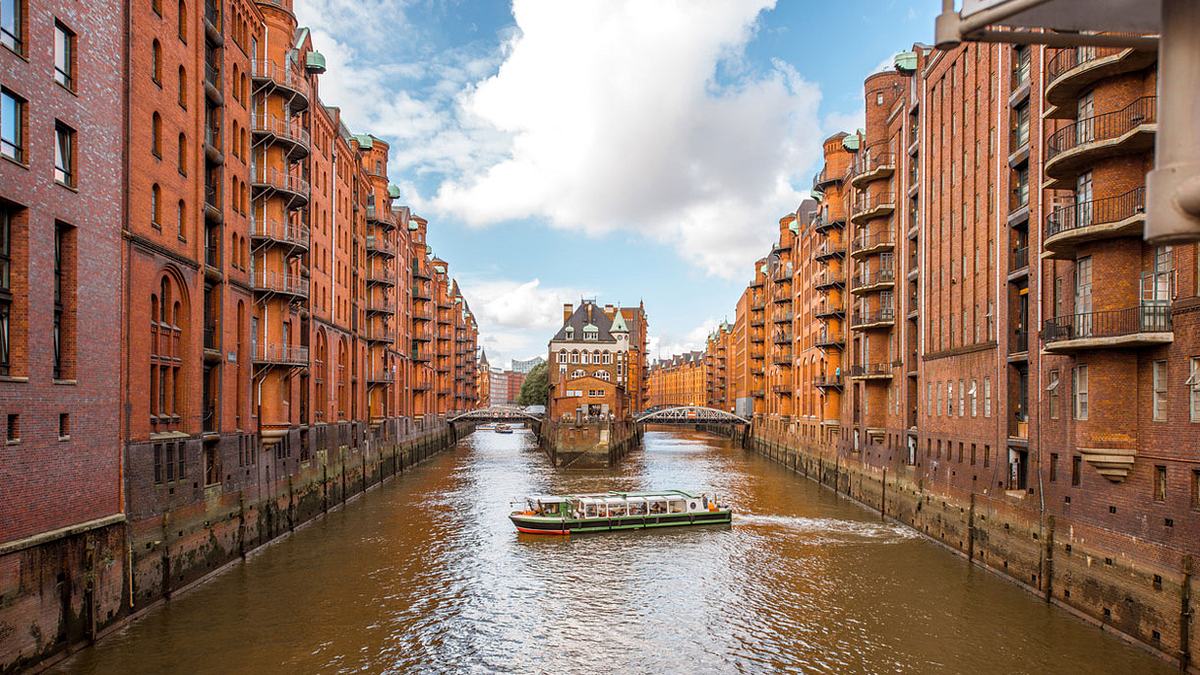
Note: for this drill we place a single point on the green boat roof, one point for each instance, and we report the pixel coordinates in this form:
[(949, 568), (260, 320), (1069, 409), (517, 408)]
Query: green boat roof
[(548, 499)]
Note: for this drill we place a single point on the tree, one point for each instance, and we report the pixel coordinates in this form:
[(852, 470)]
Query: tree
[(535, 390)]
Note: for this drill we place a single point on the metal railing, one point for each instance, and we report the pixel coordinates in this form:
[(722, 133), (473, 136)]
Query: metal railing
[(873, 199), (823, 380), (883, 275), (1019, 259), (1102, 127), (825, 176), (831, 248), (284, 128), (871, 369), (282, 180), (1068, 59), (865, 164), (379, 245), (880, 315), (782, 337), (280, 230), (1148, 318), (276, 282), (783, 317), (281, 75), (878, 240), (280, 353), (1019, 342), (1097, 211)]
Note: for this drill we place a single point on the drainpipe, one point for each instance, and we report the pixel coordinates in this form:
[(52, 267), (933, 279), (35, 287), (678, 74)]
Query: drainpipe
[(1173, 186)]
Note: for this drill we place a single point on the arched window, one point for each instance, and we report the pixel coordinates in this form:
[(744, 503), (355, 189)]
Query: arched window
[(341, 381), (182, 87), (181, 220), (578, 372), (562, 356), (156, 62), (182, 20), (155, 207), (156, 135), (603, 375), (574, 357), (182, 154), (166, 392), (236, 137)]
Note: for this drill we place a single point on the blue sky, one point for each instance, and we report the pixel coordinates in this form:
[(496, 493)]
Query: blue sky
[(625, 149)]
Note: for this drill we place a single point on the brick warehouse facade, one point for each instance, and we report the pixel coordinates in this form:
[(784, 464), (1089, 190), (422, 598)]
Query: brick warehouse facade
[(267, 329), (967, 332)]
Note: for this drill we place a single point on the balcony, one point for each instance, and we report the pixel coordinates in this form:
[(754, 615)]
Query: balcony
[(825, 178), (823, 224), (422, 314), (380, 217), (782, 275), (782, 317), (782, 357), (828, 381), (277, 283), (1072, 224), (421, 385), (213, 27), (869, 245), (872, 204), (377, 333), (1071, 71), (1141, 326), (757, 322), (382, 306), (782, 388), (421, 292), (380, 379), (212, 204), (280, 355), (380, 276), (273, 181), (420, 272), (757, 338), (380, 246), (285, 133), (827, 280), (1018, 260), (782, 338), (831, 339), (874, 280), (421, 355), (881, 318), (757, 393), (1018, 342), (830, 249), (1074, 148), (422, 335), (871, 371), (873, 167), (289, 235), (286, 81), (213, 84), (830, 311)]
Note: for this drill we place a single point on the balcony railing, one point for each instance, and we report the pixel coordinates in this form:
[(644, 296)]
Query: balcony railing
[(276, 282), (281, 354), (280, 231), (376, 244), (871, 370), (782, 338), (881, 315), (282, 180), (783, 317), (284, 76), (1019, 259), (874, 202), (1107, 126), (1068, 59), (1096, 212), (880, 241), (1149, 318), (883, 275), (1019, 342), (873, 164), (823, 381), (825, 177), (830, 249)]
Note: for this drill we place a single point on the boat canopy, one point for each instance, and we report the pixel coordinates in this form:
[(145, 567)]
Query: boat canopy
[(547, 499)]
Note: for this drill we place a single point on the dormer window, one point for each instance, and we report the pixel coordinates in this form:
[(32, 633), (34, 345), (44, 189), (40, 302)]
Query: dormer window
[(591, 335), (570, 333)]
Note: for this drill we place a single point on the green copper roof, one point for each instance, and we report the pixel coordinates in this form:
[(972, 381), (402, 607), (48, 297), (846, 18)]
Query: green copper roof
[(590, 328), (906, 61), (394, 191), (364, 141), (412, 225), (794, 226), (850, 143), (817, 194), (315, 62), (763, 268), (618, 324)]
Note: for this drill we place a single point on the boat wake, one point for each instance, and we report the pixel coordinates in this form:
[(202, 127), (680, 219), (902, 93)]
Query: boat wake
[(830, 530)]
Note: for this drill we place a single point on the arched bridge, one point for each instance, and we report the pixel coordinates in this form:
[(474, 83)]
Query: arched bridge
[(689, 414), (497, 413)]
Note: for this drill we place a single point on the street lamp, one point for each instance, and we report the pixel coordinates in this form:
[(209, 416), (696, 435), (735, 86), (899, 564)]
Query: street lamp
[(1173, 186)]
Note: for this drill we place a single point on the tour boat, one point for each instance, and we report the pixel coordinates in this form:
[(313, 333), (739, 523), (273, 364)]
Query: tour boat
[(503, 428), (602, 512)]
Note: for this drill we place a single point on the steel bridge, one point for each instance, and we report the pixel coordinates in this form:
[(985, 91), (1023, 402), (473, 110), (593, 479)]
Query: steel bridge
[(689, 414), (496, 413)]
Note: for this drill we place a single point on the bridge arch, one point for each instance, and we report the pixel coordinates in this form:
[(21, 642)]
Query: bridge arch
[(689, 414)]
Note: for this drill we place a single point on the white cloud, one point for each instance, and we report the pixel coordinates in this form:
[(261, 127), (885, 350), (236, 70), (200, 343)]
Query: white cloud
[(517, 318), (666, 345), (617, 121)]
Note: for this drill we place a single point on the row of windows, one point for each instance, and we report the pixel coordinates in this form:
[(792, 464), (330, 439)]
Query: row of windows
[(588, 357), (13, 261), (14, 121)]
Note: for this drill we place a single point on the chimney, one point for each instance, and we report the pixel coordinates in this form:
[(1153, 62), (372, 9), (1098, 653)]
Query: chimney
[(568, 310)]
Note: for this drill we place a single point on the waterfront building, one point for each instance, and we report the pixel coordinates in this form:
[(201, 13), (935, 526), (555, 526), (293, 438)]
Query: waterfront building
[(484, 377), (270, 299), (969, 306), (597, 359), (683, 379), (526, 365)]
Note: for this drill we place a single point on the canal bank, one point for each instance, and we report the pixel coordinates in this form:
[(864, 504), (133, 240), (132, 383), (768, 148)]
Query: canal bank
[(181, 529), (427, 574), (1142, 592)]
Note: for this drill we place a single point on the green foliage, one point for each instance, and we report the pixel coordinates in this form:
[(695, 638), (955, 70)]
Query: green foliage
[(536, 388)]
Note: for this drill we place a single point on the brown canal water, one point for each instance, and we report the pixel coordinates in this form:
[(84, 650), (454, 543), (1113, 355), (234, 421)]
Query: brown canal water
[(426, 574)]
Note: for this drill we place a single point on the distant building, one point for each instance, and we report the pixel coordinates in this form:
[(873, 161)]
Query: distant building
[(598, 359), (527, 365), (499, 386)]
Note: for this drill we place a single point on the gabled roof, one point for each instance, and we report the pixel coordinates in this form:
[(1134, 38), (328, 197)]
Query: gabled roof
[(588, 316), (618, 324)]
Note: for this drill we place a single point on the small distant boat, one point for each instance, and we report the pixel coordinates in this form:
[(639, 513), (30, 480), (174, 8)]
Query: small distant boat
[(603, 512), (503, 428), (486, 426)]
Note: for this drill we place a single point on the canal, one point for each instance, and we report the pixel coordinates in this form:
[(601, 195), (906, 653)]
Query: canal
[(427, 574)]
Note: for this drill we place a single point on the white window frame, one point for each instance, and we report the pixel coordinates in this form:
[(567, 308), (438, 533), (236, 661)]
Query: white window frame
[(1158, 392), (1079, 391), (1193, 383), (987, 397), (974, 394)]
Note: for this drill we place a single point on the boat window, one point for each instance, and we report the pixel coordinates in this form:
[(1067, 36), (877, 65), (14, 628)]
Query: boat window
[(589, 511), (657, 507), (616, 509), (677, 506), (637, 508)]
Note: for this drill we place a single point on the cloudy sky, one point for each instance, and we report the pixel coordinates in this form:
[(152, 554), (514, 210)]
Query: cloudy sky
[(628, 150)]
